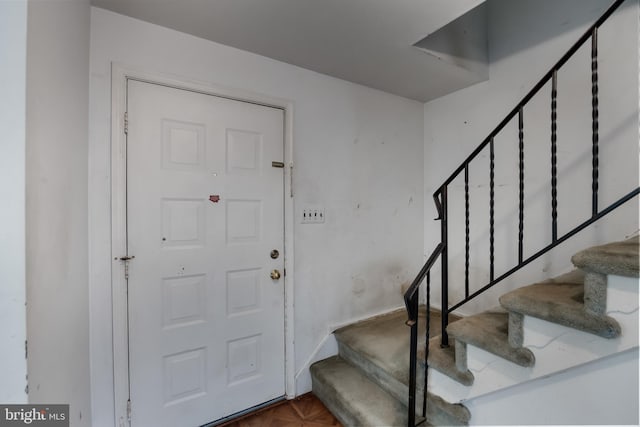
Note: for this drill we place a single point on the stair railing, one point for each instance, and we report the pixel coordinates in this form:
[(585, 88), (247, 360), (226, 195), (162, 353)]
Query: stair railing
[(411, 297)]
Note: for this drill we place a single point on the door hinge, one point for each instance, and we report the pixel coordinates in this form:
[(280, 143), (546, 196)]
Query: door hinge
[(291, 179), (26, 349), (129, 410), (126, 260), (126, 123)]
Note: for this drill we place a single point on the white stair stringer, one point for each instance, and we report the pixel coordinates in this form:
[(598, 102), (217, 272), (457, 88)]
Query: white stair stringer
[(602, 392), (556, 348)]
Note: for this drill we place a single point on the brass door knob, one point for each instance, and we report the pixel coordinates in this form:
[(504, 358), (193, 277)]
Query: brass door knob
[(275, 274)]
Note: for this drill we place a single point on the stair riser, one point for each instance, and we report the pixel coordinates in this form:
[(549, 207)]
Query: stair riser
[(336, 406), (489, 331), (352, 397), (439, 412), (378, 375)]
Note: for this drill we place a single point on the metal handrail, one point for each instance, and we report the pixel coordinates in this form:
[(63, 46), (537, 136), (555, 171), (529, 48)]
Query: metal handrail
[(412, 303), (411, 297)]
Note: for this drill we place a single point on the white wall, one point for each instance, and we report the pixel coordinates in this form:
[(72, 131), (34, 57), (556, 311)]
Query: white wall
[(56, 159), (357, 152), (13, 65), (525, 39)]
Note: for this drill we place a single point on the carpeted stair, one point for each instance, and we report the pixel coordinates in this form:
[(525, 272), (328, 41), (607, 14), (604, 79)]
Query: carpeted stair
[(367, 383)]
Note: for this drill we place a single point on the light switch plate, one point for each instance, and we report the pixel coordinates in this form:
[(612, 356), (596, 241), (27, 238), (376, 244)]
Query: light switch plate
[(312, 215)]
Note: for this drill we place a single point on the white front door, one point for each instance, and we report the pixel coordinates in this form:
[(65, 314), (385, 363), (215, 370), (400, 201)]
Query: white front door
[(205, 224)]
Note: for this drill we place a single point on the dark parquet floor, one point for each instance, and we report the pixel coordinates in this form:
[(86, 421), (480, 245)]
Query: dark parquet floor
[(303, 411)]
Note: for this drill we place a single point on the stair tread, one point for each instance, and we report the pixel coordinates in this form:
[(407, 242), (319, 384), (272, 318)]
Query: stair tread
[(560, 301), (618, 258), (489, 330), (338, 385), (443, 360), (382, 340)]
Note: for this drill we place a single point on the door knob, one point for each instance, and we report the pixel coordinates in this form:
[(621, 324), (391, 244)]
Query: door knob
[(275, 274)]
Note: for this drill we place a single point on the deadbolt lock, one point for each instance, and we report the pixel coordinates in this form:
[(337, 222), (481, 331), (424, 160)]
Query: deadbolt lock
[(275, 254), (275, 274)]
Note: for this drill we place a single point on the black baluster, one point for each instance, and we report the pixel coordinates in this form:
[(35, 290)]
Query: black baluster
[(491, 208), (466, 222), (554, 158), (444, 259), (413, 357), (594, 121), (426, 350), (521, 192)]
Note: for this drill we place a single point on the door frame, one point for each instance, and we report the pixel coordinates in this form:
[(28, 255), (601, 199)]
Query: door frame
[(120, 74)]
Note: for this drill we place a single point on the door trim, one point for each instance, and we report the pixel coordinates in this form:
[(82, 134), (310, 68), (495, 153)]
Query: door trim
[(120, 74)]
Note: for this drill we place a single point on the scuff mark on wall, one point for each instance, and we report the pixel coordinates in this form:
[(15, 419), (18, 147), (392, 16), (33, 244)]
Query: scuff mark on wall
[(358, 285)]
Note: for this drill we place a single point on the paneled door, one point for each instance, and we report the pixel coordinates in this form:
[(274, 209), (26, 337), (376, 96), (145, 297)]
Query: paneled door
[(205, 224)]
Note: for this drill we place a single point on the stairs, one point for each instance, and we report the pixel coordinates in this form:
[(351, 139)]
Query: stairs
[(367, 384), (538, 331)]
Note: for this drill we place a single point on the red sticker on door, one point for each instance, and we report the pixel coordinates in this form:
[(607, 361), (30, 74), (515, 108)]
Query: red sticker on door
[(214, 198)]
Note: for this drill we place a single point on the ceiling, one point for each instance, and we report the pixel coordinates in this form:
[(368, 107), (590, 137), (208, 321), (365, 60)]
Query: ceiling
[(370, 42)]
